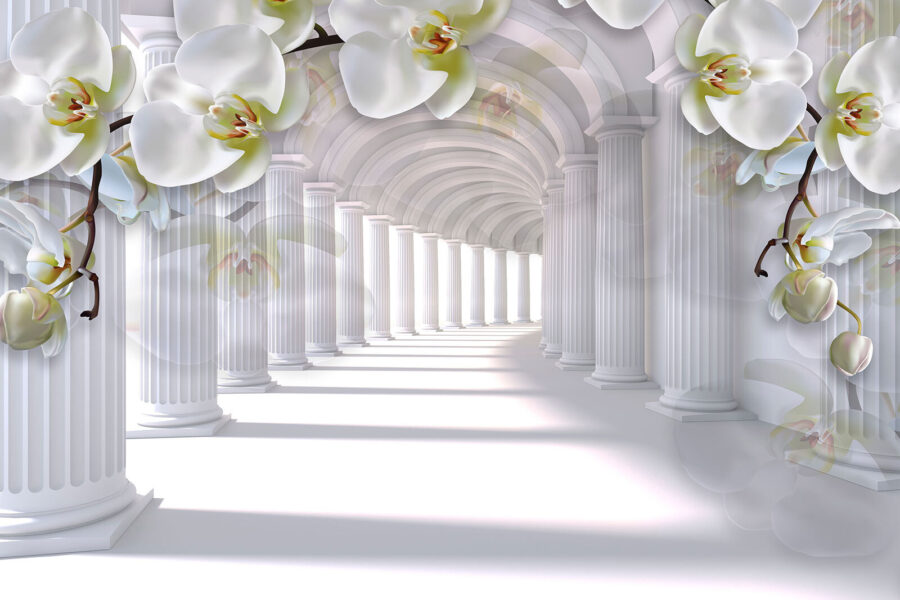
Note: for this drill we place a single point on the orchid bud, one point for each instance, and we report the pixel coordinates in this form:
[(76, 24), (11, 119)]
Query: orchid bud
[(808, 296), (851, 353), (30, 318)]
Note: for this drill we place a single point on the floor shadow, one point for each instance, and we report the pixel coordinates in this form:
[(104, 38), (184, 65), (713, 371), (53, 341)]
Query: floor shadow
[(242, 429), (264, 537), (430, 357), (406, 369), (375, 391)]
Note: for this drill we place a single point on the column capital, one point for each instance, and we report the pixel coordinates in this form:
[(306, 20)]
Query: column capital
[(522, 253), (568, 162), (499, 250), (409, 228), (556, 185), (669, 74), (431, 236), (301, 162), (320, 193), (607, 125), (150, 32), (350, 206), (380, 219), (322, 187), (453, 242), (476, 246)]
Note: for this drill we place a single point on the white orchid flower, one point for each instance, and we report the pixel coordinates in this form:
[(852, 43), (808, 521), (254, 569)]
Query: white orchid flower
[(126, 192), (30, 318), (621, 14), (836, 237), (400, 53), (288, 22), (62, 75), (749, 72), (809, 296), (209, 111), (863, 128), (800, 11), (780, 166)]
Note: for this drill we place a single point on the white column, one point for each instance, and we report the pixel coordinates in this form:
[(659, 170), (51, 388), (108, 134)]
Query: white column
[(454, 285), (579, 217), (552, 285), (699, 301), (406, 274), (178, 312), (287, 303), (476, 290), (501, 290), (321, 287), (523, 287), (620, 254), (243, 284), (351, 277), (431, 307), (380, 276), (62, 420)]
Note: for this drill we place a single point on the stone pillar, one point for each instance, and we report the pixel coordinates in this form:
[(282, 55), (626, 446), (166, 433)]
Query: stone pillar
[(178, 379), (454, 285), (551, 285), (699, 301), (406, 278), (62, 420), (523, 287), (244, 282), (501, 290), (579, 244), (620, 254), (351, 277), (431, 309), (287, 304), (321, 286), (476, 304), (380, 276)]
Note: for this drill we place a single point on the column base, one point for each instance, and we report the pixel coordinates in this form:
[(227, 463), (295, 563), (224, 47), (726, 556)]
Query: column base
[(323, 353), (604, 384), (406, 333), (697, 416), (140, 432), (523, 322), (542, 344), (291, 366), (381, 336), (434, 329), (552, 354), (570, 367), (454, 326), (287, 361), (499, 322), (872, 479), (478, 324), (257, 388), (98, 535), (361, 344)]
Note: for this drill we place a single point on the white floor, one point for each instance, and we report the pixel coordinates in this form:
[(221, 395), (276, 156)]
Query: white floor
[(462, 465)]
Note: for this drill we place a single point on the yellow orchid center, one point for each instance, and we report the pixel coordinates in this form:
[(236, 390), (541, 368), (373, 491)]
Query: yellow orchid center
[(729, 74), (863, 113), (432, 33), (69, 102), (232, 117)]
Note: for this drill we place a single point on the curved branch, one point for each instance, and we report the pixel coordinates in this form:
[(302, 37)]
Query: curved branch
[(322, 40)]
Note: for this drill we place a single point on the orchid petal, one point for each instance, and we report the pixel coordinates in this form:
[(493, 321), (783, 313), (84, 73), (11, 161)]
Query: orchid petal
[(457, 90), (298, 20), (686, 44), (383, 78), (194, 16), (484, 22), (28, 89), (64, 43), (796, 68), (849, 246), (872, 159), (352, 17), (293, 107), (91, 148), (172, 148), (31, 145), (827, 140), (234, 59), (749, 117), (873, 68), (799, 11), (828, 80), (695, 108), (753, 29), (247, 170), (164, 83), (124, 76), (624, 15)]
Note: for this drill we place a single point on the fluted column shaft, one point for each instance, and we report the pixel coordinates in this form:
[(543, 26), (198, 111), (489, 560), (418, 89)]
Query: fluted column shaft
[(523, 287), (620, 255), (351, 277), (699, 300), (476, 290), (287, 304), (379, 265), (406, 274), (62, 420), (321, 286), (501, 289), (431, 307), (244, 283), (552, 285), (579, 216), (454, 285)]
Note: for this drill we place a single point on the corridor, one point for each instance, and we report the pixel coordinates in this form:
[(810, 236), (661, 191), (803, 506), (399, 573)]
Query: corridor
[(463, 465)]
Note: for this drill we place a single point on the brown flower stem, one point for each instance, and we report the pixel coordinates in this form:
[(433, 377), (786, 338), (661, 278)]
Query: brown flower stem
[(797, 263), (854, 315), (120, 123), (324, 39)]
